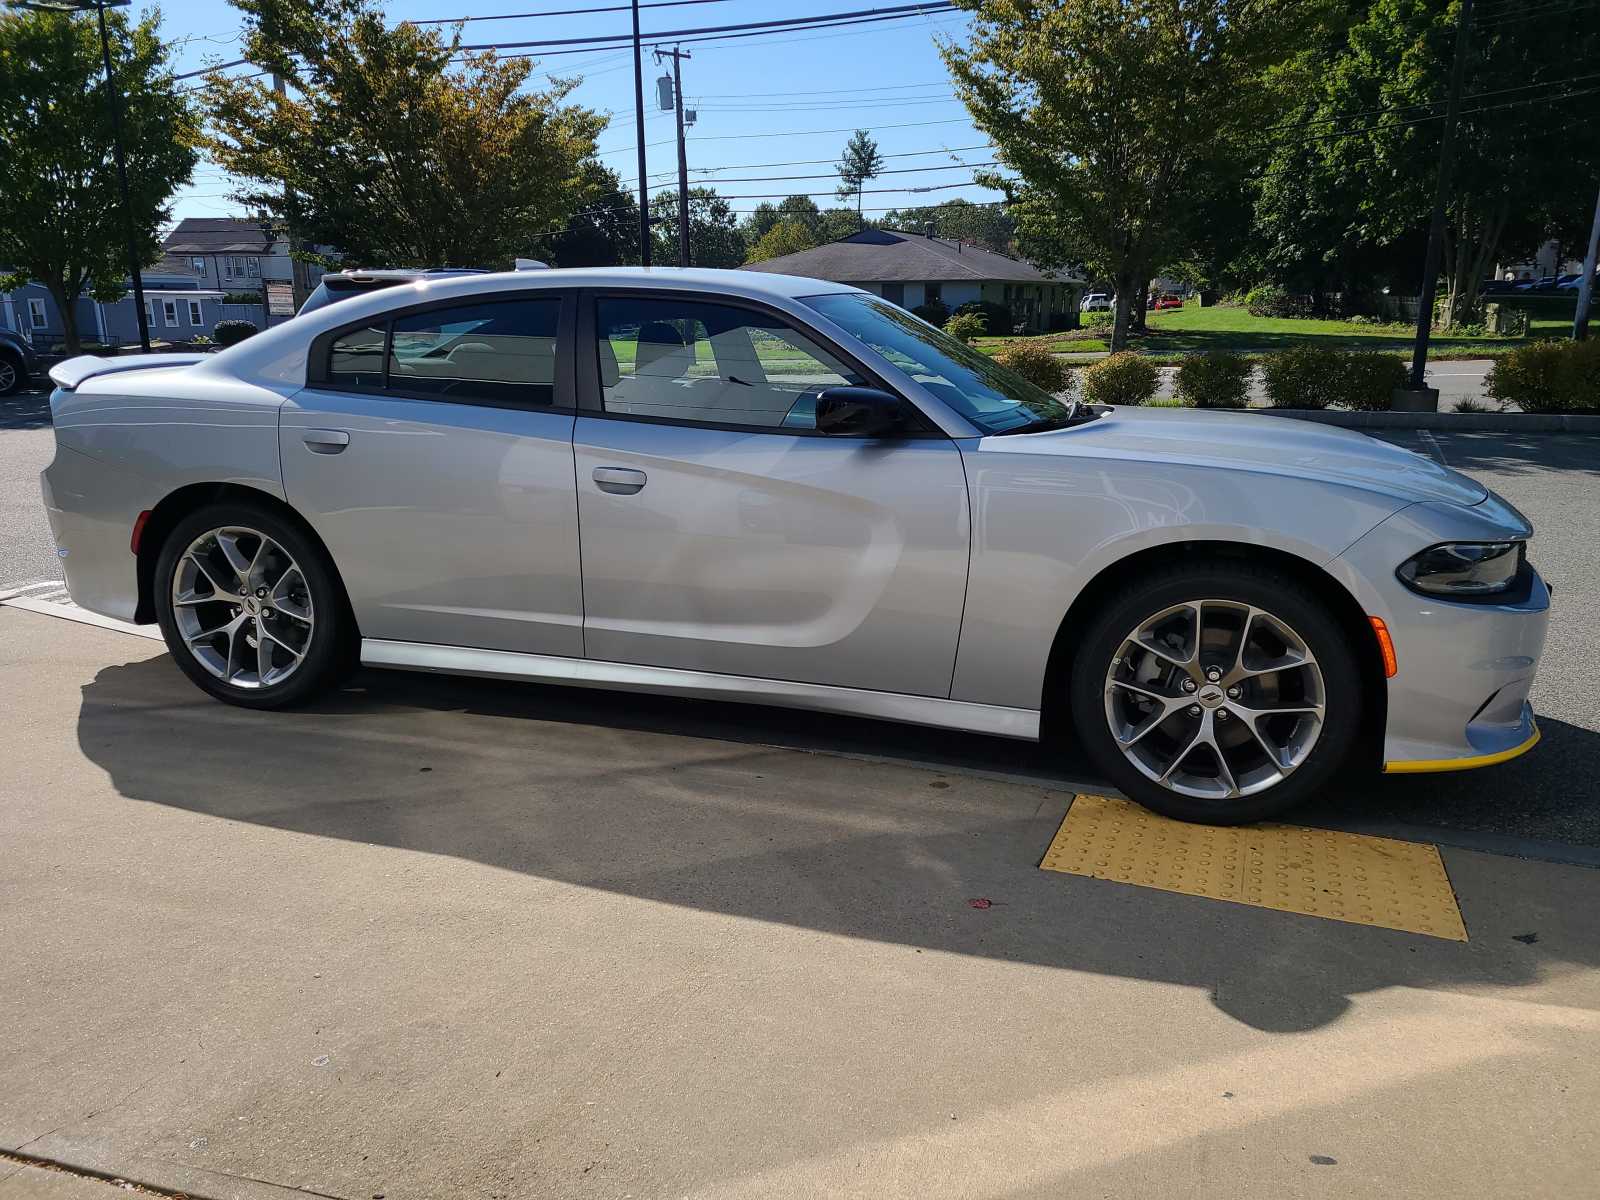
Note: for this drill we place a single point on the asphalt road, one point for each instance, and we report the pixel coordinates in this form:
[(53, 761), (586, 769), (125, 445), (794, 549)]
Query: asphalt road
[(1549, 795)]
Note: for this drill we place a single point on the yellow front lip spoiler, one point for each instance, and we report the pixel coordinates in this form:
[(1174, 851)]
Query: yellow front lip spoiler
[(1421, 765)]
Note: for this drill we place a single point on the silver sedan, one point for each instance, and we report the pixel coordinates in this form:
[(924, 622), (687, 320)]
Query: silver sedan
[(779, 490)]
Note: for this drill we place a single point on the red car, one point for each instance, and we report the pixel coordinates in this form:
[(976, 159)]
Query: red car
[(1168, 301)]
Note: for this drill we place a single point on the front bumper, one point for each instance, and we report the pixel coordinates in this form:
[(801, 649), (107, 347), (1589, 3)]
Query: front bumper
[(1459, 698)]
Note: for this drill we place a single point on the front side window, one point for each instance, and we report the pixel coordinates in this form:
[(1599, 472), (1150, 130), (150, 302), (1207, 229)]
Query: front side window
[(715, 364), (974, 385), (503, 352)]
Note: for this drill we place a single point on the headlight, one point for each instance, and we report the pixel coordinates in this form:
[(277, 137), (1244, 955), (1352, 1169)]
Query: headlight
[(1464, 569)]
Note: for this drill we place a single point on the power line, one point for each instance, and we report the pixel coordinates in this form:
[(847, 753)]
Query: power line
[(781, 133), (816, 162), (562, 12)]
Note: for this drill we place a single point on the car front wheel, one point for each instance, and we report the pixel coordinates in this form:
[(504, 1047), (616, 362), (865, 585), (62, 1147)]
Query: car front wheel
[(250, 607), (1222, 694)]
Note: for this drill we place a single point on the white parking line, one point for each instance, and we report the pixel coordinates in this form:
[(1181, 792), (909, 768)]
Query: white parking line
[(71, 612), (44, 585)]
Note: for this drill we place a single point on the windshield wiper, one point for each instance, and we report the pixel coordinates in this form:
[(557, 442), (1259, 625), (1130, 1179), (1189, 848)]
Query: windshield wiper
[(1077, 413)]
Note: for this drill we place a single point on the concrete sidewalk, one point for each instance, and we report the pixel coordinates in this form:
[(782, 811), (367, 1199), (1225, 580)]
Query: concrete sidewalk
[(447, 938)]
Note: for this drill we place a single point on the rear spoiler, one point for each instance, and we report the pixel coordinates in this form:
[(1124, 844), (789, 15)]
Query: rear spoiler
[(74, 371)]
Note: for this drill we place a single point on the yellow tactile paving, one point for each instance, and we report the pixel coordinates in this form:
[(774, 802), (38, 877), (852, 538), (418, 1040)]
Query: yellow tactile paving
[(1316, 872)]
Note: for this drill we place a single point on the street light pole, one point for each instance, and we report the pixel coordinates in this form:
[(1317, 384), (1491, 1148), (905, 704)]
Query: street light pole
[(1441, 194), (115, 101), (677, 54)]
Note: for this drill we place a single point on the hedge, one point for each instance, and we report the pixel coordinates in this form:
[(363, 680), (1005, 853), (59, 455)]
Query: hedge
[(1548, 377), (1217, 380), (1123, 378), (1035, 364), (231, 333), (965, 326)]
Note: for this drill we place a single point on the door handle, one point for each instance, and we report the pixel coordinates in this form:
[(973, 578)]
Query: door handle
[(326, 441), (619, 481)]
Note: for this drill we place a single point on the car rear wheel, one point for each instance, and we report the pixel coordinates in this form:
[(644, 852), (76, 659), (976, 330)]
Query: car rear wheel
[(11, 375), (250, 607), (1222, 694)]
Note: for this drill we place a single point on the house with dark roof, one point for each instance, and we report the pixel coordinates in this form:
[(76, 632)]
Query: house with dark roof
[(912, 269)]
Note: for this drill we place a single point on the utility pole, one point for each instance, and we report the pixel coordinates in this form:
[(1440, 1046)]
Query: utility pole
[(115, 102), (1580, 319), (1441, 191), (638, 125), (677, 55)]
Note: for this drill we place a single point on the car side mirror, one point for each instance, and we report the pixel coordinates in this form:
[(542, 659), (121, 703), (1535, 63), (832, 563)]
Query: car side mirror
[(858, 411)]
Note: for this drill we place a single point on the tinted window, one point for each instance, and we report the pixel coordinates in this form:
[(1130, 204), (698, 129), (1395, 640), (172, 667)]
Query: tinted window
[(356, 358), (503, 352), (716, 364)]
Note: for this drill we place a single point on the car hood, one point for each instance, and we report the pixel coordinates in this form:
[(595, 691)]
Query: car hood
[(1272, 444)]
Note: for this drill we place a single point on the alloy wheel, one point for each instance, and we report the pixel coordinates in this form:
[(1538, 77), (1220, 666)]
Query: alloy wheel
[(1215, 699), (8, 376), (243, 607)]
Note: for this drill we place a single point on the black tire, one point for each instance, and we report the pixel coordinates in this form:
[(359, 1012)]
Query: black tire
[(1280, 595), (12, 373), (326, 651)]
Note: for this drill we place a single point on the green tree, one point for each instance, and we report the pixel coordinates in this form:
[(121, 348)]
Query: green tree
[(859, 163), (985, 225), (786, 237), (393, 145), (714, 238), (1355, 161), (759, 223), (1111, 111), (604, 231), (61, 215)]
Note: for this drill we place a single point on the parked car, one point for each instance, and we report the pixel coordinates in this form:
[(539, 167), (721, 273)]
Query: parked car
[(18, 362), (1168, 300), (1095, 302), (785, 491), (1571, 283)]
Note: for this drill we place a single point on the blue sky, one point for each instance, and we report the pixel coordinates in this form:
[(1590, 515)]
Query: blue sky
[(759, 99)]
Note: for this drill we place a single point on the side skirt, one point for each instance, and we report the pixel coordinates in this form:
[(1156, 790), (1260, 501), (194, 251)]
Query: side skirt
[(1022, 723)]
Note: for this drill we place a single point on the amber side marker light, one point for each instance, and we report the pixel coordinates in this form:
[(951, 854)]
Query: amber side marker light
[(1386, 645), (138, 533)]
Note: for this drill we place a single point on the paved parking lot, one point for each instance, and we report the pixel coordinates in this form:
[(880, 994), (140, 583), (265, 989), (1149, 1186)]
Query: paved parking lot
[(444, 937)]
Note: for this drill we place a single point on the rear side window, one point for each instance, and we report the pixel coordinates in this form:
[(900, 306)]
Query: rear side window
[(355, 359), (502, 352)]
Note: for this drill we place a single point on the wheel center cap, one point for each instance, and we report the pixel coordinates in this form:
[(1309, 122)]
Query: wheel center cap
[(1210, 695), (251, 605)]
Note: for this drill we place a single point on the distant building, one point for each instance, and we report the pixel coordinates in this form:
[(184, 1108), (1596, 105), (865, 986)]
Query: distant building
[(205, 261), (911, 269)]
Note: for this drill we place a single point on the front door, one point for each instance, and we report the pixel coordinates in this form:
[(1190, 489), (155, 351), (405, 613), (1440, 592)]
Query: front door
[(433, 454), (721, 532)]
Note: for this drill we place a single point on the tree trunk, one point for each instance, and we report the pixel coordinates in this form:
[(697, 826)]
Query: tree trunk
[(69, 317), (1119, 322), (1137, 316)]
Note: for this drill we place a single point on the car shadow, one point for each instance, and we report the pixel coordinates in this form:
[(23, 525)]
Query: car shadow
[(26, 409), (706, 806)]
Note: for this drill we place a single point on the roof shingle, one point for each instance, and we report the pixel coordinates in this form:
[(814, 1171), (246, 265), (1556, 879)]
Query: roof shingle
[(892, 255)]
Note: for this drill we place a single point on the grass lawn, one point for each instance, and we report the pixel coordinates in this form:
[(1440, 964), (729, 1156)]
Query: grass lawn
[(1192, 329)]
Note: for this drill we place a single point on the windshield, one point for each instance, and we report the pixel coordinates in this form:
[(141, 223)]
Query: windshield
[(992, 398)]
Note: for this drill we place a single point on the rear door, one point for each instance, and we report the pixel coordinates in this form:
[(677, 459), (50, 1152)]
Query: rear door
[(722, 532), (432, 451)]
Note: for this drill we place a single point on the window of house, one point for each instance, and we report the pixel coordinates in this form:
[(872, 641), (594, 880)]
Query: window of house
[(194, 312), (150, 313), (36, 316), (500, 352), (227, 266), (710, 363), (931, 293), (199, 265), (253, 267), (895, 293), (169, 313)]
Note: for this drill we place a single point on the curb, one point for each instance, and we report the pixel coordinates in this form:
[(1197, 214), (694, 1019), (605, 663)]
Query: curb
[(1482, 422)]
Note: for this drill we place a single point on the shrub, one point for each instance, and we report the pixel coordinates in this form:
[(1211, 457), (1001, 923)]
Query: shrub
[(1098, 320), (1219, 380), (1034, 362), (1270, 300), (1123, 378), (242, 298), (998, 315), (965, 326), (1548, 377), (230, 333), (934, 314), (1472, 406), (1303, 377), (1367, 378)]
